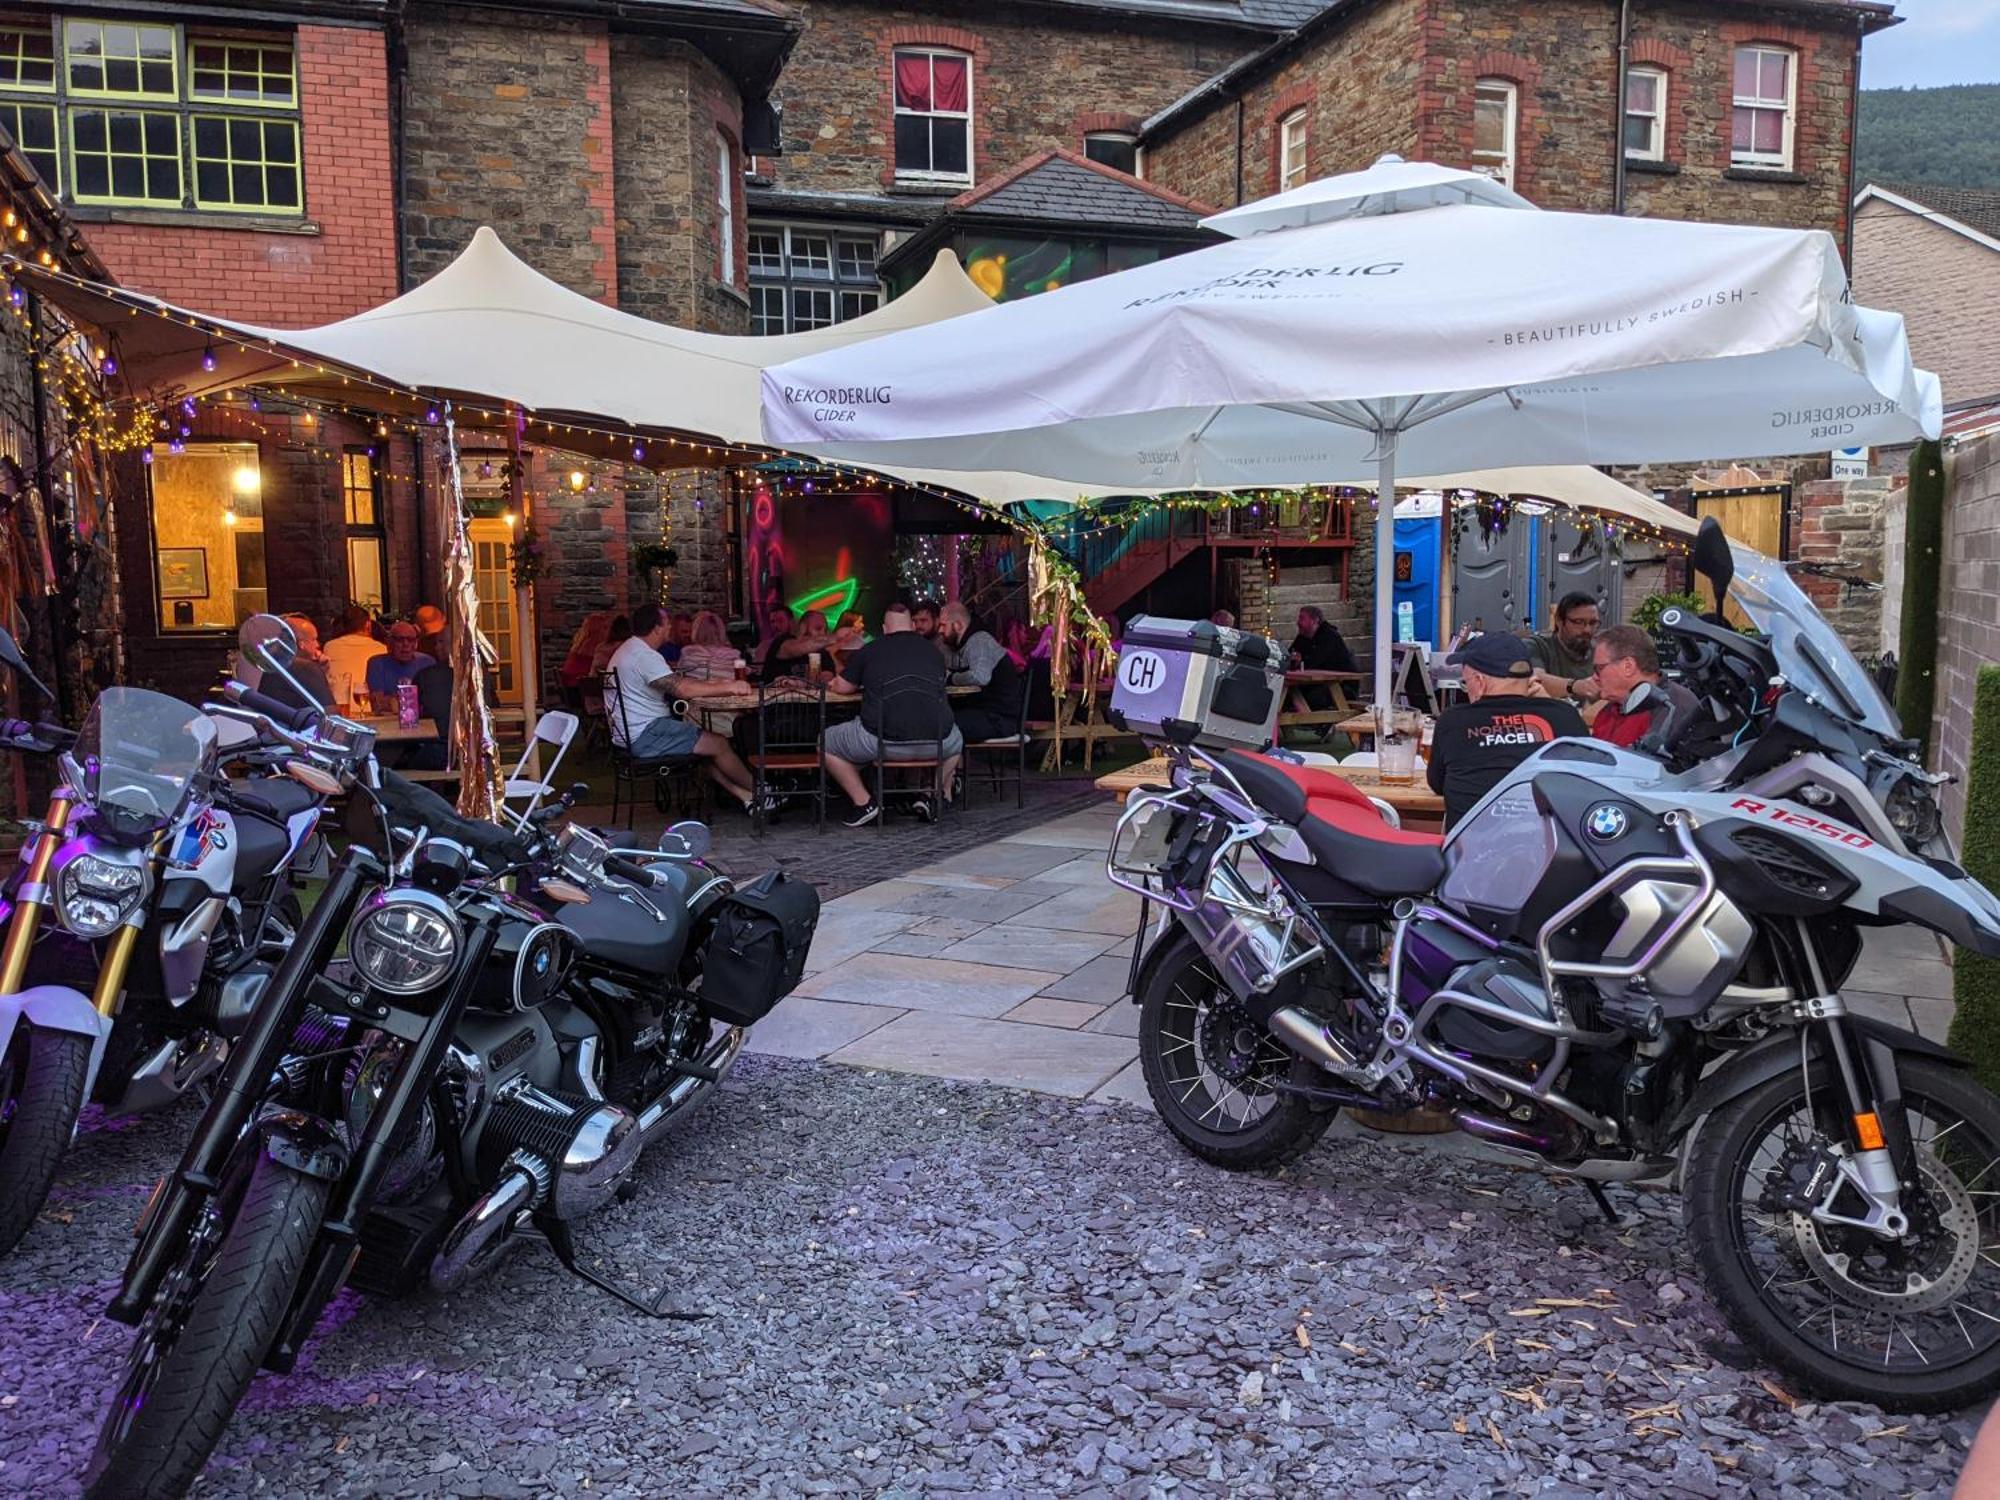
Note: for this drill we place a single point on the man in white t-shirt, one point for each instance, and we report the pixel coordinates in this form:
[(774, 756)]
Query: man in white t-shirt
[(644, 708)]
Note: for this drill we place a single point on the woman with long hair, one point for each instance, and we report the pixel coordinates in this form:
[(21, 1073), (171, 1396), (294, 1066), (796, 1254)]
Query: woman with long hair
[(583, 648), (708, 656)]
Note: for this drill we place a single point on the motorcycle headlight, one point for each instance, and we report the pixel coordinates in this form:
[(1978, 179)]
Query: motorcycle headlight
[(404, 942), (95, 895)]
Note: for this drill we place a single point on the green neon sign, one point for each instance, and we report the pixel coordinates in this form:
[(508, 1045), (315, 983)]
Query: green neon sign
[(834, 599)]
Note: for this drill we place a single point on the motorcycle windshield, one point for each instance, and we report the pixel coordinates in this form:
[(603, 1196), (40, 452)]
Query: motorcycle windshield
[(1808, 652), (140, 753)]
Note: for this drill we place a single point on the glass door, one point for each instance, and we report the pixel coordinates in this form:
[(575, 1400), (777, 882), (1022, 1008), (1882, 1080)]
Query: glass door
[(493, 577)]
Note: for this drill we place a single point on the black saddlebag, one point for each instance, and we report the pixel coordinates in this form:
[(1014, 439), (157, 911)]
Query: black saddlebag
[(757, 950)]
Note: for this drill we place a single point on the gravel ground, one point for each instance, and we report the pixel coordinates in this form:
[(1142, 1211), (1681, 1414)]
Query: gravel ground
[(920, 1287)]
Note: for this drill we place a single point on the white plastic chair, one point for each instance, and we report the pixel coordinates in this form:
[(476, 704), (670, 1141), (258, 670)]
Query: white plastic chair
[(555, 729), (1363, 758)]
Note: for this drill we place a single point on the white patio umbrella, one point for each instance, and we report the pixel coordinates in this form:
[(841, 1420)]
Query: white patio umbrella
[(1444, 338)]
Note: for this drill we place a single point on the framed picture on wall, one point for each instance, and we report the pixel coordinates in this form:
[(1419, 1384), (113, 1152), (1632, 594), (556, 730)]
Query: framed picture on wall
[(183, 572)]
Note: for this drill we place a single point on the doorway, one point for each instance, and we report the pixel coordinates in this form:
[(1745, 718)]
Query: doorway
[(493, 578)]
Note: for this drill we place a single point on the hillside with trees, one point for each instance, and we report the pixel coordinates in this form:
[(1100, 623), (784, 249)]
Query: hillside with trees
[(1949, 136)]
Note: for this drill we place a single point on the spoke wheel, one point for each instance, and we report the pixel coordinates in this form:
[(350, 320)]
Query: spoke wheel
[(1911, 1322), (1214, 1072)]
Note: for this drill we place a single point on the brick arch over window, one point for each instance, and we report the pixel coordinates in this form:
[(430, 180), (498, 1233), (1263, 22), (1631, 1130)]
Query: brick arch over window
[(1303, 95), (947, 39), (1093, 121)]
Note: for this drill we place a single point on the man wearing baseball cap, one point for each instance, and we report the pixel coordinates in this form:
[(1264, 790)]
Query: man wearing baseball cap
[(1504, 719)]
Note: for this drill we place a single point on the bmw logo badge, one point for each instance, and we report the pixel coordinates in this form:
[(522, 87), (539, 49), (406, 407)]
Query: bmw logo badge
[(1606, 821)]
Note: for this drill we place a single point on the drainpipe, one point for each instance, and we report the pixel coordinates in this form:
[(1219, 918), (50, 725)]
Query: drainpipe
[(398, 63), (1618, 107), (1853, 154)]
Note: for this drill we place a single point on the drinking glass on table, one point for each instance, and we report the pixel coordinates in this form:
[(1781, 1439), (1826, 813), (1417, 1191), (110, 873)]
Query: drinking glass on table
[(812, 666), (1397, 734)]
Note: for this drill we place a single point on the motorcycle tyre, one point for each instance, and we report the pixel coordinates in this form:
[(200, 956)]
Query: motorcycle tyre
[(49, 1085), (1709, 1216), (1293, 1125), (229, 1327)]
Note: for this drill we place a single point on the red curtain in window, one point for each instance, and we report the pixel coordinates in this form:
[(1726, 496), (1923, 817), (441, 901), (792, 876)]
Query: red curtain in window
[(951, 74), (913, 81)]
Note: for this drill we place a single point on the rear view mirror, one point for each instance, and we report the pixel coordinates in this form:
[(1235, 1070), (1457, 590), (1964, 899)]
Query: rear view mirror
[(268, 641), (10, 653), (1710, 558), (689, 840)]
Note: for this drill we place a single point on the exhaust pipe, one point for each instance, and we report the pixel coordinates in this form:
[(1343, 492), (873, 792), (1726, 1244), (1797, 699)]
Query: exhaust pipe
[(486, 1229), (1307, 1035), (716, 1062), (1552, 1144)]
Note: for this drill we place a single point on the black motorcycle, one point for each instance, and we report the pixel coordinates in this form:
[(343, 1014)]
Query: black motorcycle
[(485, 1065)]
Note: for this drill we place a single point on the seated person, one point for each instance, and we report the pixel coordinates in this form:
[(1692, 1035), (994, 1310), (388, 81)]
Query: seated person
[(1223, 618), (708, 656), (779, 626), (905, 715), (1317, 648), (977, 660), (788, 657), (401, 662), (1623, 657), (308, 669), (433, 686), (851, 635), (430, 623), (350, 650), (645, 710), (1561, 654), (1503, 720)]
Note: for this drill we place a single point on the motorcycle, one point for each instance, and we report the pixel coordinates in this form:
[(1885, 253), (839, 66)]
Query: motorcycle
[(169, 886), (1622, 972), (484, 1067)]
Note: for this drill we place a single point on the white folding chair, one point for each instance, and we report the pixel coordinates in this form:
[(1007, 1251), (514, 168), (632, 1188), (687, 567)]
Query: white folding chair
[(1362, 758), (555, 729)]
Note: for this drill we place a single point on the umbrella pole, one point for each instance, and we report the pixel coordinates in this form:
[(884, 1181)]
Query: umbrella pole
[(1385, 562)]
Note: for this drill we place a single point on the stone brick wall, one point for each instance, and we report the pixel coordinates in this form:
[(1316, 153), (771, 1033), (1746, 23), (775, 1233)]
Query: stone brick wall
[(1947, 288), (344, 258), (1839, 524), (1038, 74), (673, 113), (1400, 75), (506, 122), (1969, 609)]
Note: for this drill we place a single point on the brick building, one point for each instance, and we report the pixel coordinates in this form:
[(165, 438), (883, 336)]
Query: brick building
[(1735, 111), (1933, 255)]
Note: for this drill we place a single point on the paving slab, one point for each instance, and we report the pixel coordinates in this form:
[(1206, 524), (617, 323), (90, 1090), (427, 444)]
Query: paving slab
[(1932, 1017), (845, 932), (1127, 1086), (928, 984), (881, 896), (1115, 915), (1120, 1018), (1890, 975), (912, 944), (1034, 949), (1044, 1058), (950, 901), (1002, 861), (1891, 1008), (1063, 835), (1085, 870), (954, 929), (1042, 1011), (803, 1027), (1099, 982)]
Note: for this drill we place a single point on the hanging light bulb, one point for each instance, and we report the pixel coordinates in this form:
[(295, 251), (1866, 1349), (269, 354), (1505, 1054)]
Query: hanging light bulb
[(208, 358), (510, 518), (638, 453), (577, 480)]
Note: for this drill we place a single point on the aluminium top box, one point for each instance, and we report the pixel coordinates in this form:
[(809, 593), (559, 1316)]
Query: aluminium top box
[(1191, 682)]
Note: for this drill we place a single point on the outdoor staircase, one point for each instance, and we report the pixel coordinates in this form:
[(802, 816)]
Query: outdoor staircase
[(1119, 565)]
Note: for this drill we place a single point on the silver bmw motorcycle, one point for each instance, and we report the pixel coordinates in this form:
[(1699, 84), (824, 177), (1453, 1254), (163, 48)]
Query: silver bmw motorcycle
[(1623, 969)]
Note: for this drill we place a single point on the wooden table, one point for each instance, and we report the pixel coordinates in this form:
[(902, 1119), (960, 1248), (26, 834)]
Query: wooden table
[(389, 730), (745, 702), (1308, 677), (1420, 808)]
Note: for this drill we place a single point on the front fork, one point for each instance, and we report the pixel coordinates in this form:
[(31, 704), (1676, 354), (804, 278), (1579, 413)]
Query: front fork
[(1881, 1161), (33, 894)]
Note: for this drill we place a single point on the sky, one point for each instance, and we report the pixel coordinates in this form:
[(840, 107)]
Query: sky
[(1939, 41)]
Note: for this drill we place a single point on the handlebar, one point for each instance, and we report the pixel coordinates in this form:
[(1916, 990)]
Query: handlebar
[(20, 734), (280, 713), (627, 869)]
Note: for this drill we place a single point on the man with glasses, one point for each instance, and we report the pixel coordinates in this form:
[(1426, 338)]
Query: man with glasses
[(400, 662), (1561, 656)]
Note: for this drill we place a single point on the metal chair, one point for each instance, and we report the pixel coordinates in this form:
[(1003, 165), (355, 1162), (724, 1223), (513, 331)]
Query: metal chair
[(920, 697), (786, 738), (555, 730), (628, 769), (994, 752)]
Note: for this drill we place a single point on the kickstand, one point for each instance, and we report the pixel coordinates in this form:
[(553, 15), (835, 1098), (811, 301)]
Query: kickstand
[(563, 1243), (1604, 1206)]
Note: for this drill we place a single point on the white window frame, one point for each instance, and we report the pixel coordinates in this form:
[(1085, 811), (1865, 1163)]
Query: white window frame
[(1655, 148), (851, 290), (906, 174), (1294, 147), (1502, 170), (725, 202), (1780, 160)]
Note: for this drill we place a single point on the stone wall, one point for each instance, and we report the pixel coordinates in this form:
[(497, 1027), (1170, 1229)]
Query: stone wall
[(1839, 524), (1041, 76), (1399, 76), (1968, 608)]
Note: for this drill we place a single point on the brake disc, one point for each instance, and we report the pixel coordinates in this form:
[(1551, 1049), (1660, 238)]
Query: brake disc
[(1924, 1289)]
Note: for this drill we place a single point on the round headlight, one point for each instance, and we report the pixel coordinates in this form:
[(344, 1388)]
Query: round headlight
[(95, 895), (404, 942)]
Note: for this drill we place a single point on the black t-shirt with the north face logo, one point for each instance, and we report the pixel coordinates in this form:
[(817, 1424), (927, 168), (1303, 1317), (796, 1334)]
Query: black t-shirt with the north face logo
[(1475, 744)]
